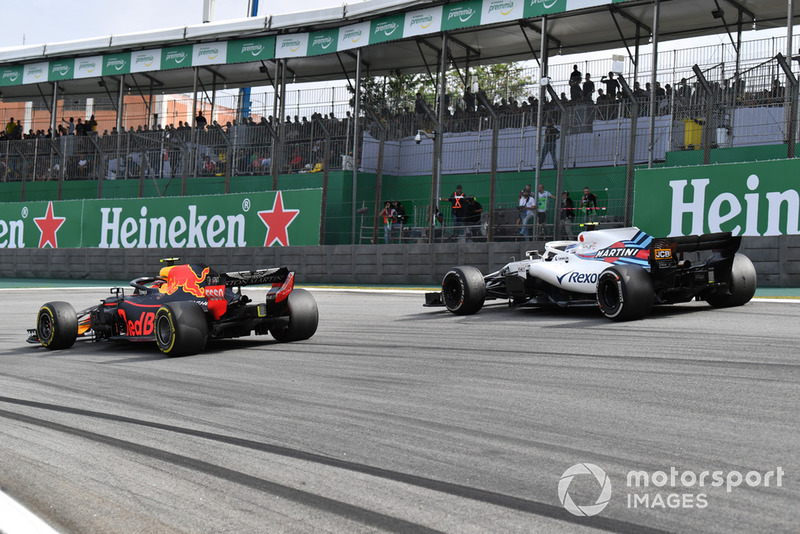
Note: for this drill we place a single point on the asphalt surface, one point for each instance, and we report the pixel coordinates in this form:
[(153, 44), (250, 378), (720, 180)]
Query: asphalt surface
[(395, 417)]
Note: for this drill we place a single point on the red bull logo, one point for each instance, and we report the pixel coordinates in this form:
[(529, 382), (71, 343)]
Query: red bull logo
[(185, 278)]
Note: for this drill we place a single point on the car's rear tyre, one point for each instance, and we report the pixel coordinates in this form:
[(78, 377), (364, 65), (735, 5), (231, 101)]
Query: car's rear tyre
[(463, 290), (625, 292), (181, 328), (303, 317), (57, 325), (742, 285)]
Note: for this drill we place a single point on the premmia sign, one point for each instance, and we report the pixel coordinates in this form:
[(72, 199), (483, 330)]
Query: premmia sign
[(748, 199)]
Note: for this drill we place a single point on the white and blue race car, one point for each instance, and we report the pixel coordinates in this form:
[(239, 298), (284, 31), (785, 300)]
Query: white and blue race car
[(624, 271)]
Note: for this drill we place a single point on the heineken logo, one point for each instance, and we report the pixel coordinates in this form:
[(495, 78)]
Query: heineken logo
[(210, 53), (461, 14), (177, 57), (386, 28), (424, 21), (352, 35), (253, 48), (291, 44), (147, 60), (322, 41), (505, 7), (116, 63), (61, 70), (11, 75)]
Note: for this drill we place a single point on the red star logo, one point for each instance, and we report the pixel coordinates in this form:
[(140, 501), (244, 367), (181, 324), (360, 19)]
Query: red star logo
[(48, 226), (277, 221)]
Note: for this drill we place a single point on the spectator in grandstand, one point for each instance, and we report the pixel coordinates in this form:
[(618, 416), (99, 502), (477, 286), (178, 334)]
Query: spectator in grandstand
[(10, 126), (200, 121), (91, 126), (567, 213), (389, 215), (542, 200), (612, 85), (527, 188), (457, 200), (575, 78), (776, 93), (588, 89), (527, 214), (208, 166), (551, 135), (469, 100), (71, 126), (589, 208)]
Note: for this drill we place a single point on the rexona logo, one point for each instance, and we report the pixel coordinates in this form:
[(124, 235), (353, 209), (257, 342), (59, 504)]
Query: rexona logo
[(352, 35), (116, 63), (252, 48), (574, 277), (503, 7), (293, 45), (727, 209), (177, 57), (424, 21), (386, 28), (461, 14), (190, 230), (322, 41)]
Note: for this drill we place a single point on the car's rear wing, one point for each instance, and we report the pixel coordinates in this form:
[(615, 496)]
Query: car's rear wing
[(277, 275), (665, 250)]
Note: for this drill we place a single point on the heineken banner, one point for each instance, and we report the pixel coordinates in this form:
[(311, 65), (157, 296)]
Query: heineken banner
[(281, 218), (748, 199), (413, 23)]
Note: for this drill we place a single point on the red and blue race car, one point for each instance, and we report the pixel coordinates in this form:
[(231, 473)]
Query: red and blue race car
[(181, 308)]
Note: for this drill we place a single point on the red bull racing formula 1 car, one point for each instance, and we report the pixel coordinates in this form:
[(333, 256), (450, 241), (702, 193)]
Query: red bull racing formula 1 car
[(624, 271), (183, 307)]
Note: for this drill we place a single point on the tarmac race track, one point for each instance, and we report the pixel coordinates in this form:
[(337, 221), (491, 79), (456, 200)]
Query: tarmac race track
[(400, 418)]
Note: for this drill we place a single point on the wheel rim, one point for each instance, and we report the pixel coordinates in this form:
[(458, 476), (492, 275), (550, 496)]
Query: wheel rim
[(45, 326), (164, 330), (608, 294), (452, 293)]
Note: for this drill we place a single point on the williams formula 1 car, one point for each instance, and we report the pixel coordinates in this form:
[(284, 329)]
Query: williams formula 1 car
[(181, 308), (625, 271)]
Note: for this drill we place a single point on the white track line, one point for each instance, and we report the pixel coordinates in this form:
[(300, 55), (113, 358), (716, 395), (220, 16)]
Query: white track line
[(16, 519)]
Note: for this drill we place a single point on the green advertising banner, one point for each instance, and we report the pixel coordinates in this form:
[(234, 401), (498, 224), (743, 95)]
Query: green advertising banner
[(61, 70), (747, 199), (117, 64), (244, 50), (537, 8), (176, 57), (275, 218), (11, 76), (461, 15), (387, 29), (323, 42)]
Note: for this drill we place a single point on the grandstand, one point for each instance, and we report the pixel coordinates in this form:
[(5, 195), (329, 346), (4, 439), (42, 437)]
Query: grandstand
[(736, 101)]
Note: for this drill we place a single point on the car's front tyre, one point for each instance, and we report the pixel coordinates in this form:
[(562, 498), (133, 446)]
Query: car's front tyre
[(625, 292), (57, 325), (463, 290), (181, 329)]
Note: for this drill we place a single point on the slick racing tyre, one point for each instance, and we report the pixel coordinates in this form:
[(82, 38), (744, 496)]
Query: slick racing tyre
[(303, 317), (625, 292), (181, 328), (742, 285), (463, 290), (57, 325)]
